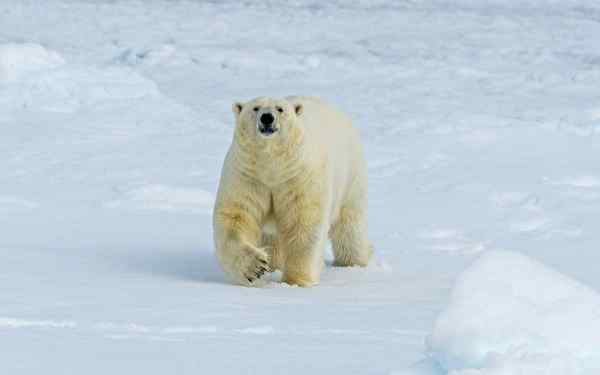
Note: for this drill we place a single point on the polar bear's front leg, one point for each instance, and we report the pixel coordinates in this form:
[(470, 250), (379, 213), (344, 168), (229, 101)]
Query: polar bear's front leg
[(243, 262), (304, 257), (303, 238), (236, 234)]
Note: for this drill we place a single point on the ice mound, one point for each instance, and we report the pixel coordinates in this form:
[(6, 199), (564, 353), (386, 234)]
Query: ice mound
[(509, 314), (35, 79), (17, 60)]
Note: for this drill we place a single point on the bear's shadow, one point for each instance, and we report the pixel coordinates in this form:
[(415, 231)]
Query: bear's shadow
[(192, 265), (182, 264)]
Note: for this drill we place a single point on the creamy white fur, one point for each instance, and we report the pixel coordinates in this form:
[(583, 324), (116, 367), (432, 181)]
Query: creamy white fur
[(281, 197)]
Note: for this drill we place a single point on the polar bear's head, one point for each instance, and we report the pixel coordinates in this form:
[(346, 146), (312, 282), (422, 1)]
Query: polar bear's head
[(266, 118)]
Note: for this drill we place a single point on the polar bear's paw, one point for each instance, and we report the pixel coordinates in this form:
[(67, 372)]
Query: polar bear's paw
[(251, 264)]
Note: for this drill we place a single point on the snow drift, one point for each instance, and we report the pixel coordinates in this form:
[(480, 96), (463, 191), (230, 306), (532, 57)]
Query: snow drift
[(17, 60), (38, 79), (509, 314)]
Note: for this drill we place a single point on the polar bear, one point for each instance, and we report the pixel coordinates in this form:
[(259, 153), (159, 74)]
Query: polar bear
[(293, 177)]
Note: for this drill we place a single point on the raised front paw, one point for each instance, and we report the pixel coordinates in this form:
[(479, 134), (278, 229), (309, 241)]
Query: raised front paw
[(252, 264)]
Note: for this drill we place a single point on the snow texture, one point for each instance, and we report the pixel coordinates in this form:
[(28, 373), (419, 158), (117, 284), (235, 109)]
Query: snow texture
[(19, 60), (480, 122), (509, 314)]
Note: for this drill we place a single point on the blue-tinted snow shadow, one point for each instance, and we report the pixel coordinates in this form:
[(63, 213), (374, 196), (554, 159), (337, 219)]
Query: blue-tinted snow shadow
[(191, 265), (424, 367)]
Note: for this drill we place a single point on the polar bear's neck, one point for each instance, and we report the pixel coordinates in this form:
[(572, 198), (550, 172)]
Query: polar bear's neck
[(272, 161)]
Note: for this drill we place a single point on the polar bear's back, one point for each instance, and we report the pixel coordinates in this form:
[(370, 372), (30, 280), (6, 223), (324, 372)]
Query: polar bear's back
[(324, 120), (333, 137), (329, 128)]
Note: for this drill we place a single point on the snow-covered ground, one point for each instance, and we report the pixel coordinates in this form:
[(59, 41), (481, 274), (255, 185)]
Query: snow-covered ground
[(481, 122)]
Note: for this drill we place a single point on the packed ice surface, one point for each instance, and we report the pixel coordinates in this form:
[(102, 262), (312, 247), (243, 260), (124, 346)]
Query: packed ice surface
[(480, 122), (509, 314), (19, 59)]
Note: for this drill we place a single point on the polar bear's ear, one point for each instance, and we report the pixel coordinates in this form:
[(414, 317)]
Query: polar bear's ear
[(237, 108), (298, 108)]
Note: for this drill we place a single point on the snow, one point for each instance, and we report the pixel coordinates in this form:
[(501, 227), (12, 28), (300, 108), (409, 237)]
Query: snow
[(161, 197), (480, 122), (17, 60), (509, 314)]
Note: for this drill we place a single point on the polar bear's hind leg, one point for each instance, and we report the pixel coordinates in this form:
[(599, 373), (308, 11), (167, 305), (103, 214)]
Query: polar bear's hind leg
[(349, 240)]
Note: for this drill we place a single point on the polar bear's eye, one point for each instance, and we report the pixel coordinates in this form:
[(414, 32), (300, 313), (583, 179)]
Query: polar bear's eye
[(279, 109), (256, 109)]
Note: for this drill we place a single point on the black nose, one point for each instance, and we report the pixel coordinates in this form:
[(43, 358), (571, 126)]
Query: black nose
[(267, 118)]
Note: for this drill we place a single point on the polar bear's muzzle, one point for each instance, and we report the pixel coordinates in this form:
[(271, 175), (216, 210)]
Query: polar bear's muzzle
[(266, 122)]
